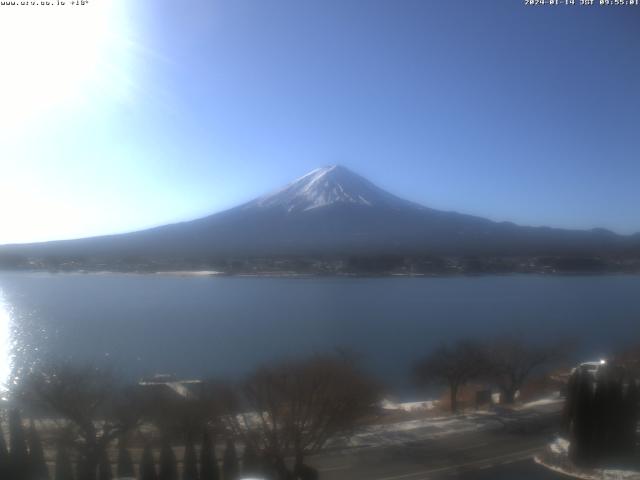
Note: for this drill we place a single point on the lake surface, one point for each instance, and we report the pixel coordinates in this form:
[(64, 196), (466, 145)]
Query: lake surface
[(225, 326)]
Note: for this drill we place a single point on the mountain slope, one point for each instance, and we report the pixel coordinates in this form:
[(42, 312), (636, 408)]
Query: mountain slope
[(332, 210)]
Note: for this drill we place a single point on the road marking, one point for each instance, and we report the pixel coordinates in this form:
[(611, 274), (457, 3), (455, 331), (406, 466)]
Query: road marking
[(514, 457)]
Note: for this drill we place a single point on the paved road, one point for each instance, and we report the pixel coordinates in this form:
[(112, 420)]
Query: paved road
[(524, 470), (483, 455)]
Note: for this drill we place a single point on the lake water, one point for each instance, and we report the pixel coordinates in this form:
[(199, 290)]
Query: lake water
[(225, 326)]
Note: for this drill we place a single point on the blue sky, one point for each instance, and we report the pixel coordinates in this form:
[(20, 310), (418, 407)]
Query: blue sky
[(122, 115)]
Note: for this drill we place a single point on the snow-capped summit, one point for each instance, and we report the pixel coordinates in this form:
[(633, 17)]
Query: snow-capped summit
[(325, 186)]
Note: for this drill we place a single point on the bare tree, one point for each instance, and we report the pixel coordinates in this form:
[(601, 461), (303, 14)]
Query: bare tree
[(511, 361), (184, 416), (89, 403), (298, 406), (453, 366)]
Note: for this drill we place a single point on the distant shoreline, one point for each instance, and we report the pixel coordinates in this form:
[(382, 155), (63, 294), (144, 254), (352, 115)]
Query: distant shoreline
[(273, 274)]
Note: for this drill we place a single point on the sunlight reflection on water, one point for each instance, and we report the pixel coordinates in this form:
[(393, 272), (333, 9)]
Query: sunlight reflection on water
[(6, 357)]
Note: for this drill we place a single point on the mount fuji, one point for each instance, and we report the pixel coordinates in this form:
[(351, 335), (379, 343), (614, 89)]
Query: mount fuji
[(334, 211)]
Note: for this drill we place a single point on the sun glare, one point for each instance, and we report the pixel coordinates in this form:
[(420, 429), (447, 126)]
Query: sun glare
[(6, 359), (57, 55)]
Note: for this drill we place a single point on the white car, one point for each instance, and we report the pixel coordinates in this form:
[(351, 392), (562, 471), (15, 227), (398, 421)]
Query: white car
[(590, 367)]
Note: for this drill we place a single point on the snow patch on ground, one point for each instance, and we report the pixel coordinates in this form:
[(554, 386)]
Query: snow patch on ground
[(422, 429), (409, 406), (559, 446), (556, 458), (555, 398)]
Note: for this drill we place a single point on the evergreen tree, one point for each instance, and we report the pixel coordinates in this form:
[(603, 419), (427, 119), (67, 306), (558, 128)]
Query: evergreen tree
[(302, 471), (208, 461), (250, 461), (19, 454), (37, 464), (602, 415), (230, 468), (85, 468), (282, 472), (631, 408), (601, 419), (616, 421), (582, 429), (190, 461), (104, 467), (4, 457), (125, 463), (568, 412), (63, 470), (168, 464), (148, 465), (268, 465)]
